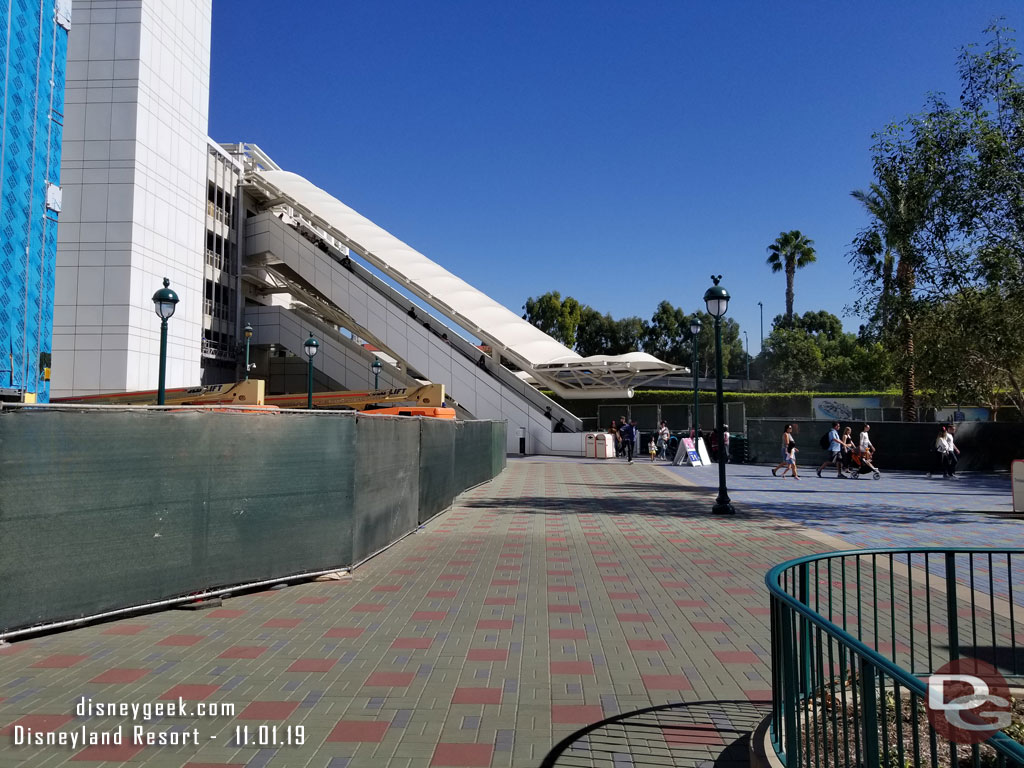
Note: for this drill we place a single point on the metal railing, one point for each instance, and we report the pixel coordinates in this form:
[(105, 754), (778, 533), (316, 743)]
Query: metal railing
[(854, 634)]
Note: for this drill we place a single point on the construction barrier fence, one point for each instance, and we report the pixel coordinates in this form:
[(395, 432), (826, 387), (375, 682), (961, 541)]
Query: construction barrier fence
[(106, 509)]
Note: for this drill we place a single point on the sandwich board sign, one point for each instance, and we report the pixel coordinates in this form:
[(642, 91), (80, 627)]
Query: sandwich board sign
[(1017, 475), (702, 451), (688, 453), (691, 452)]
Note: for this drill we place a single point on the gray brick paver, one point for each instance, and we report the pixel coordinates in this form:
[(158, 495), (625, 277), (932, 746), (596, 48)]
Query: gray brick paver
[(532, 496)]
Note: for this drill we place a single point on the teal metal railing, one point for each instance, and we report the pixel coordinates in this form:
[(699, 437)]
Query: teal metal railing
[(853, 635)]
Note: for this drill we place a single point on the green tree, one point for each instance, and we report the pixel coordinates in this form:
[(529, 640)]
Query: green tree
[(844, 360), (627, 335), (949, 195), (792, 359), (593, 334), (790, 251), (898, 205), (599, 334), (668, 335), (558, 318), (972, 347), (733, 354)]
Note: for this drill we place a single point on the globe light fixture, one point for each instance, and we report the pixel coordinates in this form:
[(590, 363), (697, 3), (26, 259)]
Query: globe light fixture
[(164, 302), (311, 347), (248, 335)]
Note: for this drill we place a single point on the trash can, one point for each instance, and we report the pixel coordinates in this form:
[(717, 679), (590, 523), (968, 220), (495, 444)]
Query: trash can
[(739, 448)]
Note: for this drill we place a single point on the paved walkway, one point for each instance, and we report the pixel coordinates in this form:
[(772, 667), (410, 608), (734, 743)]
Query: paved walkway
[(561, 593)]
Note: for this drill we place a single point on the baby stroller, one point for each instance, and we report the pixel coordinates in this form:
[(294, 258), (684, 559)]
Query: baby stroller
[(857, 465)]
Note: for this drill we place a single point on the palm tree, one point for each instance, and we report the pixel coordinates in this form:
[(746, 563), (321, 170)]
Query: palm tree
[(790, 252), (898, 203)]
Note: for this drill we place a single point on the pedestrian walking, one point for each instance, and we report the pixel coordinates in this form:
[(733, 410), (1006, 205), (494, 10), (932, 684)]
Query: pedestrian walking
[(847, 447), (835, 451), (652, 448), (791, 461), (867, 449), (787, 442), (664, 435), (947, 451), (626, 433)]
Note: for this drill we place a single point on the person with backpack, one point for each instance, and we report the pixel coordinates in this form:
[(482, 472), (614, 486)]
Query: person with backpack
[(628, 435), (832, 443)]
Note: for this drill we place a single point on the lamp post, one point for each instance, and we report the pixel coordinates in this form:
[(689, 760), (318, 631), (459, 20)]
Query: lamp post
[(311, 347), (717, 300), (694, 333), (376, 372), (248, 335), (165, 300), (746, 340), (761, 348)]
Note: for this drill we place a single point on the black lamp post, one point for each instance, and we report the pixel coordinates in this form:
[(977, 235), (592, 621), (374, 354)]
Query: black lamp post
[(311, 347), (746, 340), (717, 300), (694, 333), (376, 372), (761, 347), (165, 300), (248, 335)]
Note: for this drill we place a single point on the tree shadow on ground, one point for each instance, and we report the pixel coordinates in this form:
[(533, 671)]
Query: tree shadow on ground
[(836, 518)]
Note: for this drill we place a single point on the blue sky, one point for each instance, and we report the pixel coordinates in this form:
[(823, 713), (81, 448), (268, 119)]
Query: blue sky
[(618, 152)]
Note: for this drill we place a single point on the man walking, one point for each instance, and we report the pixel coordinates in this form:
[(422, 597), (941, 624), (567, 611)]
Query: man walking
[(835, 451), (627, 433), (948, 452)]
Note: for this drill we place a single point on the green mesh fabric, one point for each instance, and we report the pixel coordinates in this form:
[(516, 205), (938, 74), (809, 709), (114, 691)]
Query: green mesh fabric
[(387, 482), (107, 510), (437, 467)]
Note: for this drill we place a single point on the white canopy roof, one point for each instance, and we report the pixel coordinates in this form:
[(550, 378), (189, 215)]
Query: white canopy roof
[(515, 338)]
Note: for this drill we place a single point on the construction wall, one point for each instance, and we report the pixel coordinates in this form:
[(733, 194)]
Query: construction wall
[(103, 510), (33, 56)]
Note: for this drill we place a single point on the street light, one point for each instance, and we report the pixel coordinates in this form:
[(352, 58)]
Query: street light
[(747, 344), (376, 372), (761, 348), (717, 300), (311, 347), (164, 300), (694, 333), (248, 335)]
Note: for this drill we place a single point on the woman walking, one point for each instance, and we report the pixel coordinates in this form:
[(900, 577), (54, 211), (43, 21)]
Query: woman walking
[(788, 453)]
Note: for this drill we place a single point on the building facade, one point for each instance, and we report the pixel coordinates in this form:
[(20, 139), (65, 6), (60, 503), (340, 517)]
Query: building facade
[(135, 172), (33, 54)]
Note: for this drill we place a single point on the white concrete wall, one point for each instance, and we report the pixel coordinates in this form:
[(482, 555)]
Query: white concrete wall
[(134, 179)]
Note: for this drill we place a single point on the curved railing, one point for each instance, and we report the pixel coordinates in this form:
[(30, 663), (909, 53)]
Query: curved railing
[(856, 636)]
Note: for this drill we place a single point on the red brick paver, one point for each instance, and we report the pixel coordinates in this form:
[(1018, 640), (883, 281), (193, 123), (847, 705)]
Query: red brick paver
[(542, 601)]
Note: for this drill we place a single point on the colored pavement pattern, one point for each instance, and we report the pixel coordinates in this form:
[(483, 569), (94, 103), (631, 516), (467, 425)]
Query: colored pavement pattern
[(902, 509), (561, 593)]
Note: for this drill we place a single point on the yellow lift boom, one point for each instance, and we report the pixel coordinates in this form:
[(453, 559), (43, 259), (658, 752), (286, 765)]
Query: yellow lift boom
[(424, 400)]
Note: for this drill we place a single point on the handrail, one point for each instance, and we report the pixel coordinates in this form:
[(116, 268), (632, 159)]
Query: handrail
[(873, 660)]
